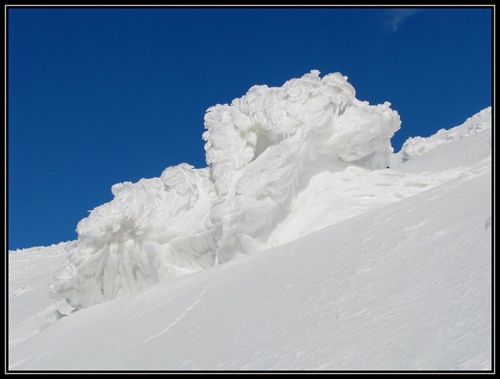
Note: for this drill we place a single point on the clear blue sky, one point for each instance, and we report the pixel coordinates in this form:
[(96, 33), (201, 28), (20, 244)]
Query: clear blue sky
[(98, 96)]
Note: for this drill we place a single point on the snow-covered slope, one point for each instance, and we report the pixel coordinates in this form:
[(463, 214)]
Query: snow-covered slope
[(297, 248), (406, 286), (269, 154)]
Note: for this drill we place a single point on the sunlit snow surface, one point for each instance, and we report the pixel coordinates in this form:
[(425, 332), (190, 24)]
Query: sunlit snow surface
[(305, 250), (269, 154)]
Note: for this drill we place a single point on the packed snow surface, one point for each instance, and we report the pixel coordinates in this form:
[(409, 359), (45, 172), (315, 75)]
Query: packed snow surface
[(309, 244)]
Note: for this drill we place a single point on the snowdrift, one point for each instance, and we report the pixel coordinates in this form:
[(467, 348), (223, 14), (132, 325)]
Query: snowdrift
[(342, 263), (406, 286), (282, 163)]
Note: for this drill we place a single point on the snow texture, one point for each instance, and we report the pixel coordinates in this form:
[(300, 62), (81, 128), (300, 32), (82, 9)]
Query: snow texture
[(262, 151), (304, 250), (417, 146)]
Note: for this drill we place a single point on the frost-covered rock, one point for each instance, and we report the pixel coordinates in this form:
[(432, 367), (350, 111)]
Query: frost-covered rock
[(265, 150)]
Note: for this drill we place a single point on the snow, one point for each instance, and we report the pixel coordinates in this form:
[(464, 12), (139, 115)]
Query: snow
[(296, 248), (261, 151)]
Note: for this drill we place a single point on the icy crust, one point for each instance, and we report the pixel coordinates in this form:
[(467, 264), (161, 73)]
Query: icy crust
[(417, 146), (263, 150)]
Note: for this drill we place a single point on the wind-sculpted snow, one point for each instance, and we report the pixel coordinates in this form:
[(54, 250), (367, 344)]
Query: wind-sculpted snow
[(417, 146), (259, 147), (282, 163), (152, 230)]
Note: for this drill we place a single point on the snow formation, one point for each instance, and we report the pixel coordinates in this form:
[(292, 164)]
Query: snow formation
[(282, 163), (398, 278), (418, 146)]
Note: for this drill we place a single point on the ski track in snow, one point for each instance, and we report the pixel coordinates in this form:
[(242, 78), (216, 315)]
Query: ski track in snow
[(181, 316)]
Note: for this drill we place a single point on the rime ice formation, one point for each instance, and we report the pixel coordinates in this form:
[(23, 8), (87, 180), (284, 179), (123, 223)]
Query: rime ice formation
[(282, 163), (417, 146), (262, 146), (151, 230)]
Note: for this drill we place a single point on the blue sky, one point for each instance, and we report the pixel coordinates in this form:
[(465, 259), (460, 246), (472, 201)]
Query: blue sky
[(98, 96)]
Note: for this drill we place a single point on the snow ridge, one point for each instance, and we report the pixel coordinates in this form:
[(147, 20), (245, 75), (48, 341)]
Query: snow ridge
[(282, 163), (417, 146)]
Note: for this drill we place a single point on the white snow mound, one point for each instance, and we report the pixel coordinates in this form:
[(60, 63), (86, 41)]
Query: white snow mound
[(282, 163)]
